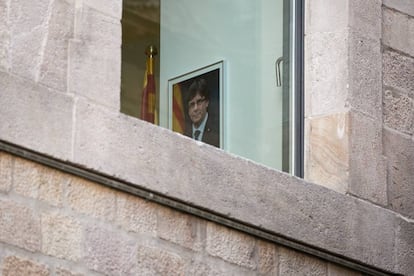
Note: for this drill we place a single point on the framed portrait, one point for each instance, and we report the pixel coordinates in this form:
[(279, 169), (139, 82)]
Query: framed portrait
[(196, 104)]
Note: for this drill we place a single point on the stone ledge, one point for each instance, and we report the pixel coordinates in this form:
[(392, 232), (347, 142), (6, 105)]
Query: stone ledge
[(399, 149), (160, 160), (398, 31), (200, 175), (35, 116)]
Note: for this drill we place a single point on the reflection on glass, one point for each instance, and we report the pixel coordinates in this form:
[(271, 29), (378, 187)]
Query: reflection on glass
[(140, 29), (247, 108)]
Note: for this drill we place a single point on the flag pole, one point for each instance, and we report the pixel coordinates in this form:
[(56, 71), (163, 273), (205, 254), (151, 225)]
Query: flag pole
[(149, 110), (151, 51)]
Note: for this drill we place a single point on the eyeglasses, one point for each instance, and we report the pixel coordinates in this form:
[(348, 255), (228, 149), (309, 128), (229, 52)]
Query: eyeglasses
[(198, 102)]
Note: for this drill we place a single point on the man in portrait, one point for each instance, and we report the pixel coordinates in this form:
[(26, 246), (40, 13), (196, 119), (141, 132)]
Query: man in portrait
[(202, 126)]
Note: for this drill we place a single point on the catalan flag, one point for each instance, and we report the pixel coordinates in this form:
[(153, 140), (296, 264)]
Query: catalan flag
[(148, 112), (178, 110)]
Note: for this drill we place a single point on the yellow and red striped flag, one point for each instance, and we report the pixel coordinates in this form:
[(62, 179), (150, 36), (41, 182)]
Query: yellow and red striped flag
[(178, 110), (148, 93)]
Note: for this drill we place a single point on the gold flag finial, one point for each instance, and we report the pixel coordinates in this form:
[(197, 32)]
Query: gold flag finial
[(151, 51)]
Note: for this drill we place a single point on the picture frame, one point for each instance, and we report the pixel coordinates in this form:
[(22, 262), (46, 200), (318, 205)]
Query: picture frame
[(186, 104)]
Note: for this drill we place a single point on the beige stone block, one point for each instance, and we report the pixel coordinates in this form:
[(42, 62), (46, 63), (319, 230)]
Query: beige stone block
[(230, 245), (154, 261), (335, 270), (27, 178), (136, 215), (91, 199), (201, 265), (116, 137), (328, 153), (365, 17), (365, 74), (4, 36), (268, 261), (398, 30), (95, 73), (109, 251), (296, 264), (181, 229), (66, 272), (326, 78), (6, 172), (376, 223), (96, 28), (320, 16), (61, 236), (14, 265), (399, 150), (54, 55), (28, 24), (368, 176), (26, 16), (398, 71), (35, 117), (398, 109), (203, 268), (404, 244), (39, 182), (21, 48), (95, 58), (110, 7), (19, 226)]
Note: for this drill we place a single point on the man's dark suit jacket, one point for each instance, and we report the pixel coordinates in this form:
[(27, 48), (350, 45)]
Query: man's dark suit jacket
[(211, 131)]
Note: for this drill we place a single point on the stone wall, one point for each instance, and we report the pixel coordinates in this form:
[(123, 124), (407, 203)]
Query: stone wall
[(398, 103), (359, 100), (360, 118), (54, 223), (52, 55), (343, 95)]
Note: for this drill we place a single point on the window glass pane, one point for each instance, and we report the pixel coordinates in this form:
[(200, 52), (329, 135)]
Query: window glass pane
[(240, 51), (140, 28)]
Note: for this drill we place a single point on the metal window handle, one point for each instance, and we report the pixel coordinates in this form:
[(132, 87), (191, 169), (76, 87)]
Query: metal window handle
[(278, 74)]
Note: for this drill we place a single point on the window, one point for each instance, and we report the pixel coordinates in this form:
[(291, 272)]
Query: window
[(255, 98)]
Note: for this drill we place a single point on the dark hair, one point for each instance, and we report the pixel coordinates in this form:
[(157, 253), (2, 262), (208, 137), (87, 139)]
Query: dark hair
[(198, 86)]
